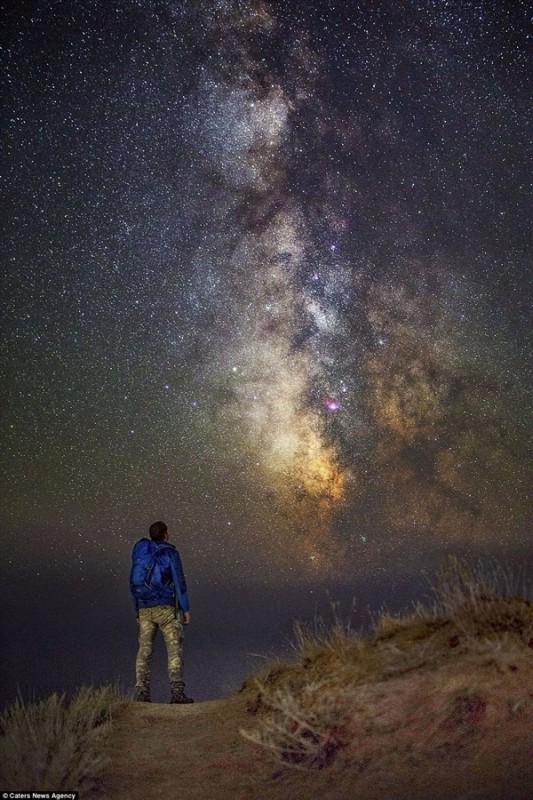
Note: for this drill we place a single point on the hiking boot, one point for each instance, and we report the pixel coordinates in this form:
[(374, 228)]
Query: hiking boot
[(177, 694), (142, 694)]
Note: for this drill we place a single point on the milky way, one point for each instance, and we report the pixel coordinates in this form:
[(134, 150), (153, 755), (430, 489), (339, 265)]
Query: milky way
[(267, 279), (356, 358)]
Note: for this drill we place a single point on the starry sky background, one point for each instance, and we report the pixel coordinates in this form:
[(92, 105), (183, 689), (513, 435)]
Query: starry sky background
[(266, 278)]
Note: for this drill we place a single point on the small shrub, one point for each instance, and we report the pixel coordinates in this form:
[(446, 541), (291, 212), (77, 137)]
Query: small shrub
[(51, 745)]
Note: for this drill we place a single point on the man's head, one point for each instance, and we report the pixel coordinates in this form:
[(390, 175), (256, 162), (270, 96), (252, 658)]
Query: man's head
[(158, 531)]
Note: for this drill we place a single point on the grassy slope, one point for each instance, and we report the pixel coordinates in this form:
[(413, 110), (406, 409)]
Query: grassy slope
[(437, 703)]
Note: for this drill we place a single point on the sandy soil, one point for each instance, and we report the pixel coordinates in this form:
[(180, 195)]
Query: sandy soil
[(409, 743)]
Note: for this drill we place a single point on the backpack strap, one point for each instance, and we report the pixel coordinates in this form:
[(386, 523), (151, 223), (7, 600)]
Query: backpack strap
[(150, 569)]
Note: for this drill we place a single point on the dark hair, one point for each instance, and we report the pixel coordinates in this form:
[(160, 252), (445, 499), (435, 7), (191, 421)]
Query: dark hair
[(157, 531)]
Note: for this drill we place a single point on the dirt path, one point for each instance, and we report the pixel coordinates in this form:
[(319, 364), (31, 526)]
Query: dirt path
[(193, 752)]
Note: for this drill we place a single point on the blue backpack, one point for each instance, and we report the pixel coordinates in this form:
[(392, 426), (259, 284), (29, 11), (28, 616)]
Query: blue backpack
[(152, 573)]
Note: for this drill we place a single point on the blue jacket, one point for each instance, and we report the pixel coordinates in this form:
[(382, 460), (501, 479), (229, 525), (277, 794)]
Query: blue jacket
[(172, 576)]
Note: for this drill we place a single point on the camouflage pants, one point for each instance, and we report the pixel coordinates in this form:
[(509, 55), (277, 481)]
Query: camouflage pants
[(169, 620)]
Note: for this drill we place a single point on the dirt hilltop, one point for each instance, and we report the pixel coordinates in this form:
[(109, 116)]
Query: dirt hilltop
[(462, 731), (436, 704)]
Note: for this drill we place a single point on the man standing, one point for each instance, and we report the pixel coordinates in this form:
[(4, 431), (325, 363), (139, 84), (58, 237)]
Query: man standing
[(160, 597)]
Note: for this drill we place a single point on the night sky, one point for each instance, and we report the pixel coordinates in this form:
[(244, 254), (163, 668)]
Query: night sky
[(266, 278)]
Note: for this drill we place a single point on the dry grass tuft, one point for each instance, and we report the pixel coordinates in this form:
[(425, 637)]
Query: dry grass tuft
[(55, 745), (482, 601), (306, 728)]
